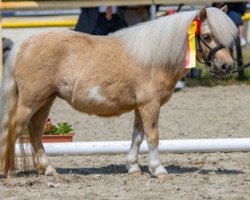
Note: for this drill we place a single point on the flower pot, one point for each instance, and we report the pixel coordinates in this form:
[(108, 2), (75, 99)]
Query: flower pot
[(58, 138), (52, 138)]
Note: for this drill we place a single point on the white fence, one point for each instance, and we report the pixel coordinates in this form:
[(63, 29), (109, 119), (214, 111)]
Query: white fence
[(120, 147)]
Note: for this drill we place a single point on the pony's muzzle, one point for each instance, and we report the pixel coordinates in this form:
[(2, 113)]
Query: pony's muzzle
[(218, 71), (227, 68), (224, 70)]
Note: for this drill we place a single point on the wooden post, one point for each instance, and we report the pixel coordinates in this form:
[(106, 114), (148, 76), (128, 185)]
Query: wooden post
[(239, 59)]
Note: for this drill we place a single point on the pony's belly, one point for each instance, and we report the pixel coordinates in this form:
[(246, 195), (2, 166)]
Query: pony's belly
[(96, 100), (106, 109)]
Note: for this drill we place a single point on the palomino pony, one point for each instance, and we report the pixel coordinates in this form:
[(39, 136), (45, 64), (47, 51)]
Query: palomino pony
[(133, 69)]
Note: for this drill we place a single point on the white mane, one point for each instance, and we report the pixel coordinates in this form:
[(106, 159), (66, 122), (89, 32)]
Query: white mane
[(221, 26), (163, 42)]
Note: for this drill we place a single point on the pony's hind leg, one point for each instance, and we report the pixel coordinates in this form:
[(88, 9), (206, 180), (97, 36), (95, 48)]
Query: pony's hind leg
[(137, 138), (21, 119), (36, 130), (150, 115)]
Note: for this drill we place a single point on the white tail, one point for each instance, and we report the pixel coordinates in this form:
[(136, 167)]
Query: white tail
[(8, 105)]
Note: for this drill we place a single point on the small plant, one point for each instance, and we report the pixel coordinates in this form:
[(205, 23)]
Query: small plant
[(63, 128)]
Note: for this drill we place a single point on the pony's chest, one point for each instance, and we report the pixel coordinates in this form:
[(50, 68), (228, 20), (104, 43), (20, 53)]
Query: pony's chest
[(155, 90), (164, 95)]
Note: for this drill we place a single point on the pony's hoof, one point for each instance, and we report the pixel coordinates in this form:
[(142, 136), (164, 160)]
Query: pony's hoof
[(51, 171), (134, 170), (10, 174), (162, 176), (136, 174), (160, 172), (55, 175), (40, 169)]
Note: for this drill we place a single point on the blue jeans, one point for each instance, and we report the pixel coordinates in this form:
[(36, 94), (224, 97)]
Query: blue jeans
[(235, 17)]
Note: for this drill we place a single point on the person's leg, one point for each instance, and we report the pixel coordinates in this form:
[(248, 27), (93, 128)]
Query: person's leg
[(243, 41)]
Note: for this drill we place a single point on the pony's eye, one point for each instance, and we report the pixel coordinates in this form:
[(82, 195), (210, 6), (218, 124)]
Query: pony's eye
[(206, 38)]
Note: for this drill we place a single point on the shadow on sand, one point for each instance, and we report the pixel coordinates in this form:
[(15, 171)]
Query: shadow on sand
[(121, 169)]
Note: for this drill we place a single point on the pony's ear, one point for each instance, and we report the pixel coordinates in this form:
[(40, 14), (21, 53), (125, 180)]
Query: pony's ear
[(224, 9), (203, 14)]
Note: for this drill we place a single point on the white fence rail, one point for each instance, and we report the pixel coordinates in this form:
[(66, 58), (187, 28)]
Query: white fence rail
[(121, 147)]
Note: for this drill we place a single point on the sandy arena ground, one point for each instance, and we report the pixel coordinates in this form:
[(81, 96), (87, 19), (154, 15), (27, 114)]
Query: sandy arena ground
[(198, 112)]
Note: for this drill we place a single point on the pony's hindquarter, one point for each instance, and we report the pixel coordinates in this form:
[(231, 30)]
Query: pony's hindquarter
[(22, 104), (8, 106)]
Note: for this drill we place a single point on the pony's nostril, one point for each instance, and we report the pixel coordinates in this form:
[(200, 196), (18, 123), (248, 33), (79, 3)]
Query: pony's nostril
[(224, 67), (209, 64)]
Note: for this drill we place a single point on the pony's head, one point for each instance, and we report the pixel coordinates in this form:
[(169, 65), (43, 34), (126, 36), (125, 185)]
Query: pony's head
[(217, 34)]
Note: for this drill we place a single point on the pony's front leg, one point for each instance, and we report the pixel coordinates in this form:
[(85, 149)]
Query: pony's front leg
[(137, 138), (150, 115)]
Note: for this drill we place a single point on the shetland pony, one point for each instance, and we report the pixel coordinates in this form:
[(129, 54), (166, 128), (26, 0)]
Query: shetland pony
[(133, 69)]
